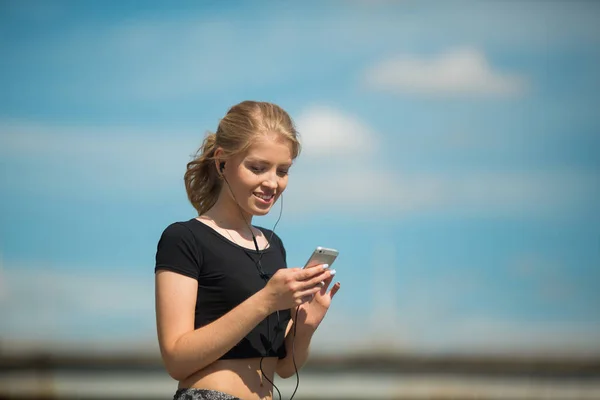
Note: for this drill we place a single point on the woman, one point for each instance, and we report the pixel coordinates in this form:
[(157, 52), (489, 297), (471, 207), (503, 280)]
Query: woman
[(230, 315)]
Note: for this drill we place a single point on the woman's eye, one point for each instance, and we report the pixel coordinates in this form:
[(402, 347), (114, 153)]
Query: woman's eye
[(256, 169)]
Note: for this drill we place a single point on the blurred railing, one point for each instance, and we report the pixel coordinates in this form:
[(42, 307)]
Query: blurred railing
[(62, 376)]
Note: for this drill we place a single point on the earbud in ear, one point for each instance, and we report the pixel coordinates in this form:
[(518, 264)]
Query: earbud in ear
[(221, 166)]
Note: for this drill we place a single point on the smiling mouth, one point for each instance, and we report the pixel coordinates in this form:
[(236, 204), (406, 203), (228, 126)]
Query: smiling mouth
[(264, 197)]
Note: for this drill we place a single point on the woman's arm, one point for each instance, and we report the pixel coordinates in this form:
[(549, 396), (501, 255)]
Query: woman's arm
[(297, 349), (185, 350), (310, 315)]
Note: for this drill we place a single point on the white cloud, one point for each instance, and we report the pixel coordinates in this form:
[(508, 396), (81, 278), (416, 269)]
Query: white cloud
[(159, 59), (370, 191), (55, 309), (326, 131), (35, 140), (42, 302), (124, 160), (338, 171), (492, 334), (416, 331), (116, 160), (459, 71), (170, 55)]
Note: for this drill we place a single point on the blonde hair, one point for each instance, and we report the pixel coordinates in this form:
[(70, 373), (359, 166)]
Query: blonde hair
[(235, 134)]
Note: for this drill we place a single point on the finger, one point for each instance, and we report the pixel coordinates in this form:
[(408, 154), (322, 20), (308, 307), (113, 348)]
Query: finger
[(308, 273), (309, 292), (287, 273), (316, 281), (325, 284), (334, 289), (315, 266), (302, 300)]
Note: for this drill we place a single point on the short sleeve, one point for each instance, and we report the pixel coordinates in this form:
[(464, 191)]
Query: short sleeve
[(177, 251)]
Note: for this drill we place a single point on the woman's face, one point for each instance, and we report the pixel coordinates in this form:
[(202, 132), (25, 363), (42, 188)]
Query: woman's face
[(259, 176)]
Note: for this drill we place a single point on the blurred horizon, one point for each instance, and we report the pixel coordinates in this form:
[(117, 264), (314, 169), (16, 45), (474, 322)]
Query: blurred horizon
[(450, 153)]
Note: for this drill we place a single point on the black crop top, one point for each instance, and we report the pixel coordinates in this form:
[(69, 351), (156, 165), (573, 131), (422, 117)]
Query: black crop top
[(226, 277)]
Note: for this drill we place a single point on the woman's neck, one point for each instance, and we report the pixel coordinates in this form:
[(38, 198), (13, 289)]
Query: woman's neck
[(229, 215)]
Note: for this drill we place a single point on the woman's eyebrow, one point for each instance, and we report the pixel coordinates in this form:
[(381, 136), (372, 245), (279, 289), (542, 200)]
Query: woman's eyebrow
[(267, 162), (257, 159)]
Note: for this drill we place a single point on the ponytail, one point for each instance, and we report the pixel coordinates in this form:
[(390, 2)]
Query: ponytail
[(202, 182)]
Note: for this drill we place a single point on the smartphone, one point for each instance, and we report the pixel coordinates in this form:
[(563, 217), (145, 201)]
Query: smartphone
[(322, 255)]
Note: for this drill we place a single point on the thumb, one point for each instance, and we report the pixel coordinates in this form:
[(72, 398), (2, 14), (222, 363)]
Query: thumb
[(335, 289)]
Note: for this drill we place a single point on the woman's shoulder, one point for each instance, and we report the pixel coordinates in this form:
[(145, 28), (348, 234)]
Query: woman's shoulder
[(179, 228), (178, 250), (188, 230)]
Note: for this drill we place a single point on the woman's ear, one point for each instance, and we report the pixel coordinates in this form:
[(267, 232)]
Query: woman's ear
[(219, 162)]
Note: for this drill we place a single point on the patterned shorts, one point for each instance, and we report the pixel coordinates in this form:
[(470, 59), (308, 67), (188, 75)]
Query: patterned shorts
[(202, 394)]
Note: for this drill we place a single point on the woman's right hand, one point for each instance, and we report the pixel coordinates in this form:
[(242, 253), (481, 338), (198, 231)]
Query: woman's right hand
[(290, 287)]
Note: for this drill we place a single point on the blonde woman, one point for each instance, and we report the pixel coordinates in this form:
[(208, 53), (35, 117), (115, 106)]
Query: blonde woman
[(230, 314)]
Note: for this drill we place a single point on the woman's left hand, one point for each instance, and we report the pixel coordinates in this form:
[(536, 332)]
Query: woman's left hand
[(312, 312)]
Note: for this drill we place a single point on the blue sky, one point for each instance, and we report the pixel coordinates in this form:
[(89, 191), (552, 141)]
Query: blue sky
[(450, 154)]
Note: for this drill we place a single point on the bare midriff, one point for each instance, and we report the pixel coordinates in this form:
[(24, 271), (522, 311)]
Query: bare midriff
[(239, 377)]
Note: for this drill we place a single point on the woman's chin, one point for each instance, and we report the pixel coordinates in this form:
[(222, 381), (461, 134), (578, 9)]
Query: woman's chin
[(259, 212), (260, 209)]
